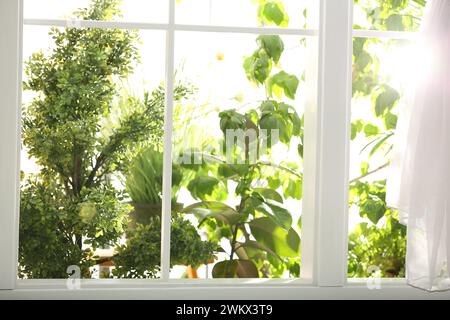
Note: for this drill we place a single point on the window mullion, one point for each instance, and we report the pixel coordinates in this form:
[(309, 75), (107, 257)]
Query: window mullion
[(328, 121), (168, 132), (10, 79), (335, 74)]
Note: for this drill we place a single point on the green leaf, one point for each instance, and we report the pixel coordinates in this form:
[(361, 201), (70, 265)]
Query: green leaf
[(274, 121), (227, 170), (371, 130), (380, 143), (283, 243), (373, 209), (356, 127), (363, 60), (283, 82), (273, 12), (300, 150), (256, 245), (201, 186), (269, 194), (395, 23), (230, 119), (390, 121), (213, 209), (273, 45), (257, 67), (268, 106), (293, 188), (278, 214), (386, 100), (364, 168), (235, 269)]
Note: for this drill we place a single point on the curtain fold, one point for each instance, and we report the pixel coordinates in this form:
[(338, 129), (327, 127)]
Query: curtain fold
[(419, 178)]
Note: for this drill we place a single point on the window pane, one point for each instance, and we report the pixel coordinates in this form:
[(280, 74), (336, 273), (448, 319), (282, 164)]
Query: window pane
[(382, 71), (93, 106), (130, 10), (392, 15), (244, 13), (238, 155)]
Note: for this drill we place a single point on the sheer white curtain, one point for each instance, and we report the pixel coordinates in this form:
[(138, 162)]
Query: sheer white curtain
[(419, 180)]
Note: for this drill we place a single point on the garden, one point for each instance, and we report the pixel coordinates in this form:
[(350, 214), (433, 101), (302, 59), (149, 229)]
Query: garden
[(93, 130)]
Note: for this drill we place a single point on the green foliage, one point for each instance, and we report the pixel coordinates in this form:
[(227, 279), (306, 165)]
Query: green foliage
[(73, 130), (144, 177), (273, 45), (382, 246), (283, 83), (272, 13), (386, 100), (380, 240), (140, 257), (263, 237), (71, 202), (79, 140), (41, 242), (285, 243), (394, 15)]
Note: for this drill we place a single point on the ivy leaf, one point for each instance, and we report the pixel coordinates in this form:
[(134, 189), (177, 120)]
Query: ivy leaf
[(283, 82), (213, 209), (235, 269), (386, 100), (273, 45), (283, 243)]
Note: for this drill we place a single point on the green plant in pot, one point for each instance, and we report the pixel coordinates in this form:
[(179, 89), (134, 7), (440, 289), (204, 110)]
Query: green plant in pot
[(140, 256), (144, 185)]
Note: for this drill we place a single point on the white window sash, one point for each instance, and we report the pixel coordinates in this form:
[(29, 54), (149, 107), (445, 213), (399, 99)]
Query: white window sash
[(327, 130), (10, 88)]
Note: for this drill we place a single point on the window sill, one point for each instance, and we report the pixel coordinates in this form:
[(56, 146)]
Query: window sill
[(273, 289)]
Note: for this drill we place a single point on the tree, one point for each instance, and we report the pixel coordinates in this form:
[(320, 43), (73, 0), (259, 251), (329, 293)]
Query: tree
[(260, 231), (71, 207)]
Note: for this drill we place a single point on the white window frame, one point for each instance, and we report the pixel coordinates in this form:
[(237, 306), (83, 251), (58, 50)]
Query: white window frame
[(326, 164)]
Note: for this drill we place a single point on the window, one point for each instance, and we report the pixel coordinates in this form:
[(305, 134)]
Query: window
[(94, 156), (192, 139)]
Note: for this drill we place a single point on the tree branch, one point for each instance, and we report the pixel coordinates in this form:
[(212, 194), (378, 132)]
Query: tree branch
[(264, 163), (368, 173)]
